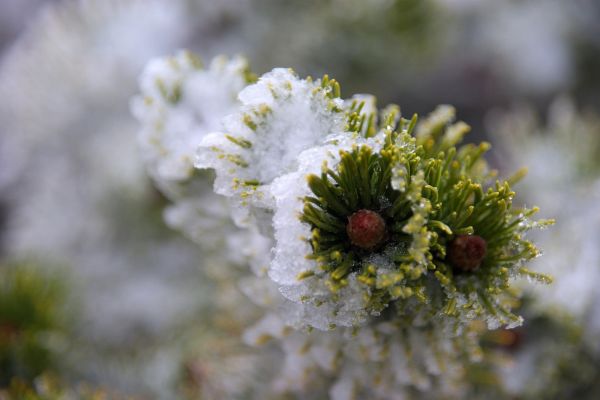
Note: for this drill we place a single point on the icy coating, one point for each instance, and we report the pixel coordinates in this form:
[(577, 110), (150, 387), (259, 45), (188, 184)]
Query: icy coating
[(181, 102), (296, 163), (280, 116), (319, 308)]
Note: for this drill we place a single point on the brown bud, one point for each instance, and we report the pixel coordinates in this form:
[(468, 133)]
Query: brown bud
[(366, 229), (466, 252)]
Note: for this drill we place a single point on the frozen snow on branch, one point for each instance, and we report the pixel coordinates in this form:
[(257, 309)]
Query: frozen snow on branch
[(281, 115)]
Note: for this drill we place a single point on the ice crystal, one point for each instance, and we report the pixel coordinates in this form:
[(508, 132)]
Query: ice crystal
[(390, 237), (181, 102), (428, 193), (382, 361), (569, 191), (281, 115)]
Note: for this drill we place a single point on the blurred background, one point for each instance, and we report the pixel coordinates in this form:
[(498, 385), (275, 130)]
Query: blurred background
[(95, 288)]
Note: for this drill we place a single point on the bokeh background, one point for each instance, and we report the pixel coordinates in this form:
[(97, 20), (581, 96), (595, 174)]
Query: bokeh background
[(95, 288)]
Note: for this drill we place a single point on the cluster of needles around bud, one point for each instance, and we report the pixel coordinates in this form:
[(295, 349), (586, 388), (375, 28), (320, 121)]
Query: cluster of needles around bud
[(450, 233), (361, 184), (468, 205)]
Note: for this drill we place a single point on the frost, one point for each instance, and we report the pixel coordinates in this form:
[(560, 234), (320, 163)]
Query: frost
[(383, 361), (269, 327), (300, 278), (180, 103), (199, 218), (281, 116), (434, 123)]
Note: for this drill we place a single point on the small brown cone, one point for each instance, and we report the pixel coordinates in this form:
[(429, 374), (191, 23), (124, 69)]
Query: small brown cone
[(366, 229), (466, 252)]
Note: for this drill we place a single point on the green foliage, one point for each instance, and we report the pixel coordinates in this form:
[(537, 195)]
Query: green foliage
[(428, 189), (30, 312), (49, 387)]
